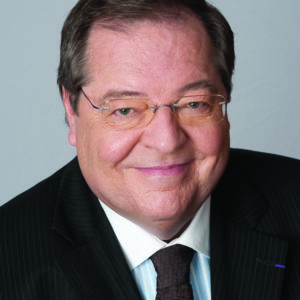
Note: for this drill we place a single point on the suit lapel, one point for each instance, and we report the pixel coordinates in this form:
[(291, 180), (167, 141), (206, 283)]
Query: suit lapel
[(245, 264), (87, 250)]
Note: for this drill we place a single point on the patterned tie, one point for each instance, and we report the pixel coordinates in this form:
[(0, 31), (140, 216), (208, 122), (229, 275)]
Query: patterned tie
[(172, 265)]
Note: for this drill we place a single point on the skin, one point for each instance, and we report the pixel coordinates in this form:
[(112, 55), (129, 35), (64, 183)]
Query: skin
[(157, 176)]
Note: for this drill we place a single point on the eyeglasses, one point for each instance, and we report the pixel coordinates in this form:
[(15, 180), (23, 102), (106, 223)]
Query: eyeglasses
[(133, 112)]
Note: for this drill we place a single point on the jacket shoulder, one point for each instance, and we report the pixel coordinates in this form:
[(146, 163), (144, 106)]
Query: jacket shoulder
[(274, 177), (33, 209), (43, 190), (26, 243), (265, 165)]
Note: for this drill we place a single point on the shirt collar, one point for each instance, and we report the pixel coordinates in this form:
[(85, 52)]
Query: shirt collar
[(138, 244)]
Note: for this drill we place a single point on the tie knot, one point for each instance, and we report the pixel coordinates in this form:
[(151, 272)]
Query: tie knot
[(172, 265)]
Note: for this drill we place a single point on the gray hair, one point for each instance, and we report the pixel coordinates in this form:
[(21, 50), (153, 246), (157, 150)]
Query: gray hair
[(72, 73)]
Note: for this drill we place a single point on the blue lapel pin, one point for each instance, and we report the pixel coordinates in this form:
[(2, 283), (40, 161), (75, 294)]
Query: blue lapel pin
[(280, 266)]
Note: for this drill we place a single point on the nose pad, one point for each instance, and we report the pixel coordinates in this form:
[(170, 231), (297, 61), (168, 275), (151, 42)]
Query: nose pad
[(155, 108)]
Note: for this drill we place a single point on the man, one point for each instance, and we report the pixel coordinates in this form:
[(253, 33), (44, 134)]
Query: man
[(145, 86)]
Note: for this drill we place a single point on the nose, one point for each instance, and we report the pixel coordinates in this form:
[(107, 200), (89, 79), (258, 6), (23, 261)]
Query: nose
[(164, 133)]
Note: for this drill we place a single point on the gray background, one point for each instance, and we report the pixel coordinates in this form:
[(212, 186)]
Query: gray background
[(265, 107)]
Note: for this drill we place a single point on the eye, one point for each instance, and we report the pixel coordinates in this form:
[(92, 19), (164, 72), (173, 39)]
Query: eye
[(194, 104), (199, 105), (124, 111)]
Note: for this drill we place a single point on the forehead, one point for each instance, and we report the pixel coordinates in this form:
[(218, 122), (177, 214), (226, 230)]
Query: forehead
[(186, 30), (139, 29), (147, 50)]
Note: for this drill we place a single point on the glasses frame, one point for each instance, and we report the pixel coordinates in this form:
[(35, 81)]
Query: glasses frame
[(172, 107)]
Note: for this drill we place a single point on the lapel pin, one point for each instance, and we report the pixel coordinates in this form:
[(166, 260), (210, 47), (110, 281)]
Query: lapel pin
[(267, 263), (280, 266)]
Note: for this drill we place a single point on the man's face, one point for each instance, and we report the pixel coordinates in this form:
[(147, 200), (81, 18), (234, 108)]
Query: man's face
[(159, 175)]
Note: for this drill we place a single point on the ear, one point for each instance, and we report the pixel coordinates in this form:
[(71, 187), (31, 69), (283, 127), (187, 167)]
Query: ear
[(71, 116)]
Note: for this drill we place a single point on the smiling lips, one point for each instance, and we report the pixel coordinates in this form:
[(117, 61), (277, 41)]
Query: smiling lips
[(171, 170)]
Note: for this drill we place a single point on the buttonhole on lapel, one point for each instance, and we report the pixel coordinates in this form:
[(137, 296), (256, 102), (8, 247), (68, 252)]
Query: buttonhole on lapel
[(270, 264)]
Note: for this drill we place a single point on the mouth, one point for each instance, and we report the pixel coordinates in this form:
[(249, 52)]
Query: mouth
[(169, 170)]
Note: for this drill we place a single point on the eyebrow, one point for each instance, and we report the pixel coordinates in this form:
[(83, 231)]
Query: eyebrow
[(201, 84), (121, 94)]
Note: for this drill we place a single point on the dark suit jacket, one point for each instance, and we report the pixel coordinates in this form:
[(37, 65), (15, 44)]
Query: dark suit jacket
[(56, 242)]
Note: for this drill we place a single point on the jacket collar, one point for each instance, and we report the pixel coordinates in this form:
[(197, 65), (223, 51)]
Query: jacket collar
[(87, 250)]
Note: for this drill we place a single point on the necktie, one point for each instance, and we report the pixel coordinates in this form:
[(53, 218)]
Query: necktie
[(172, 265)]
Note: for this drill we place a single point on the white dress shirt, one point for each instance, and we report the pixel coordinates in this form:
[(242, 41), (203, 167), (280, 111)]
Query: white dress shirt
[(138, 245)]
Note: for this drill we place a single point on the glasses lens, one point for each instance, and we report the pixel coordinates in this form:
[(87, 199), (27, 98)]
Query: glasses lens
[(195, 109), (127, 113)]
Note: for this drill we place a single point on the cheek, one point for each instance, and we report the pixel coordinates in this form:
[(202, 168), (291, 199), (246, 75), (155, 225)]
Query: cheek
[(211, 140), (106, 147), (116, 147), (212, 149)]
